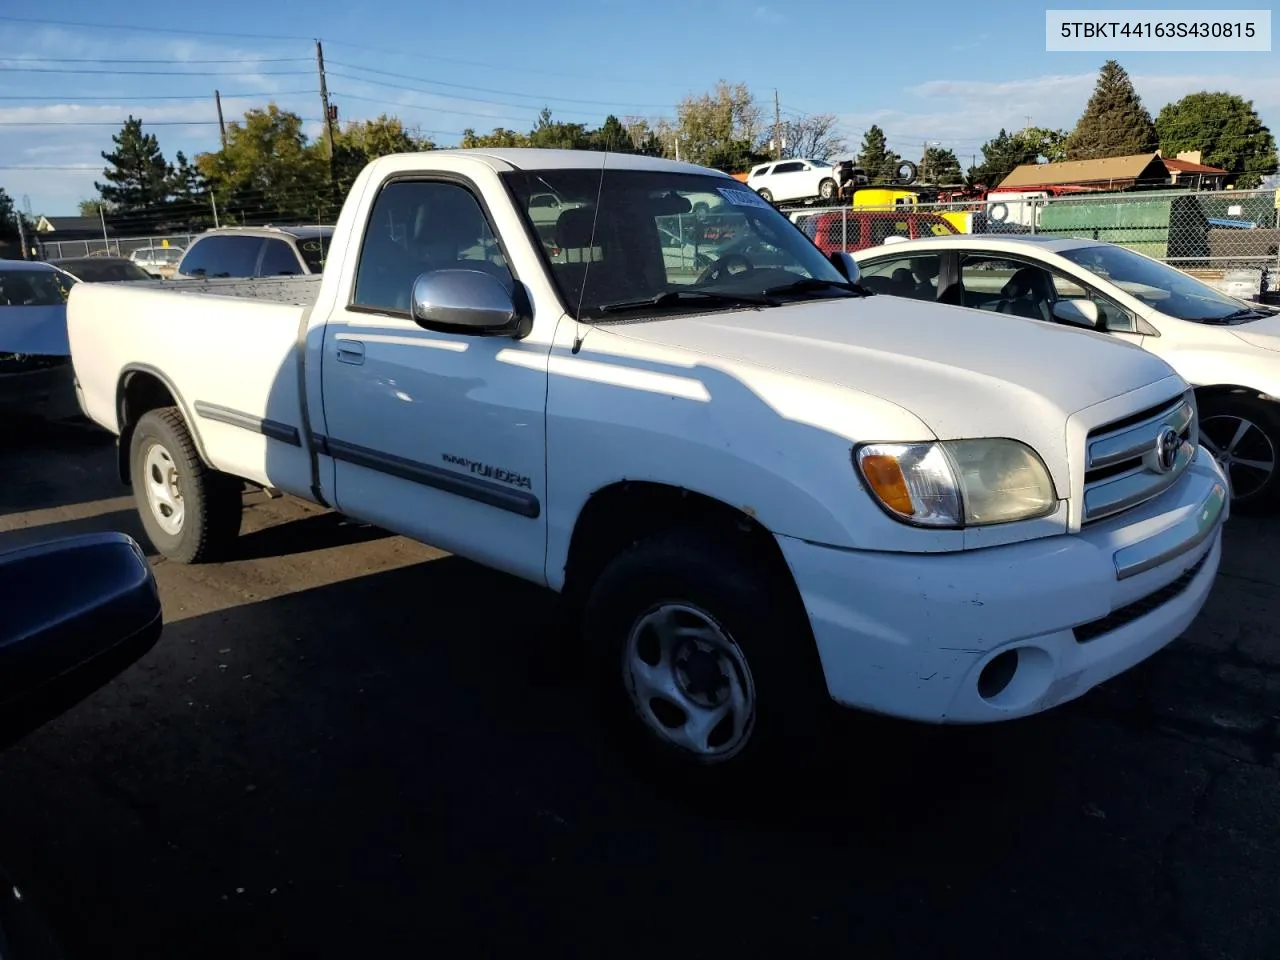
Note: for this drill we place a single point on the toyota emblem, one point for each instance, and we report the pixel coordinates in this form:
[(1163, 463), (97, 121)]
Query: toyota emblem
[(1168, 443)]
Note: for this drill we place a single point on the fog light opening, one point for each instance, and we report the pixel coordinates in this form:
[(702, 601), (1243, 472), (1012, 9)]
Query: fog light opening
[(997, 674)]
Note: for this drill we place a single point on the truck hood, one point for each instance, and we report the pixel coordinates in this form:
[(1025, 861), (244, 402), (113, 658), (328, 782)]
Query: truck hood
[(34, 330), (964, 373)]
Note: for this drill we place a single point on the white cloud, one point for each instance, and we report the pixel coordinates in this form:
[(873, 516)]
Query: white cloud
[(768, 15), (964, 113)]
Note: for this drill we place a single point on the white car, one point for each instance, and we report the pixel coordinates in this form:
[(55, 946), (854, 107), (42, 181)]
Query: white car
[(1226, 348), (756, 494), (787, 180)]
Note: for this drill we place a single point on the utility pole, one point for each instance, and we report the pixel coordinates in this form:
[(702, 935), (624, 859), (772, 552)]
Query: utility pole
[(222, 126), (324, 101), (22, 234), (777, 127)]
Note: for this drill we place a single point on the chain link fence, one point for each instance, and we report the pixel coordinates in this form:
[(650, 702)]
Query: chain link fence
[(112, 246), (1230, 238)]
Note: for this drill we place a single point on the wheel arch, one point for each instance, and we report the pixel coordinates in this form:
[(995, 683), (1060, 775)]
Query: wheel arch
[(616, 517), (141, 389)]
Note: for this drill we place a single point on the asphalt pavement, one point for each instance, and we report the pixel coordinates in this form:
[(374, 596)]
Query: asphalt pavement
[(349, 744)]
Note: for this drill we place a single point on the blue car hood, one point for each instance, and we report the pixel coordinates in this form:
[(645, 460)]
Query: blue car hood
[(35, 330)]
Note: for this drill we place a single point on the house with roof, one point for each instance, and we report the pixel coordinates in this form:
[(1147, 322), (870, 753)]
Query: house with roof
[(1107, 173), (72, 228), (1133, 172), (1186, 170)]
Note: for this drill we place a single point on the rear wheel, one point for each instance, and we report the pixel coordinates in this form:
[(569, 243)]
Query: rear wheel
[(766, 196), (827, 189), (191, 513), (1243, 434), (705, 660)]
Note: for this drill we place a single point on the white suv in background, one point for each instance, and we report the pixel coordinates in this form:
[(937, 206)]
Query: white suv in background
[(786, 180)]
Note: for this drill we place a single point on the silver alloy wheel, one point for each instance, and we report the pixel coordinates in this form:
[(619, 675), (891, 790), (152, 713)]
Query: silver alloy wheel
[(1242, 449), (689, 681), (164, 489)]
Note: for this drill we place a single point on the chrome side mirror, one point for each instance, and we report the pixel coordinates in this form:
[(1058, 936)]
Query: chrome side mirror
[(468, 301)]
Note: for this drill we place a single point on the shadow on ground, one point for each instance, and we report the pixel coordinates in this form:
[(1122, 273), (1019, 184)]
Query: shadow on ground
[(406, 758)]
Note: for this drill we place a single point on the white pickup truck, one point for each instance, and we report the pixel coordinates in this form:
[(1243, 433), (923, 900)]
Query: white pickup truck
[(761, 492)]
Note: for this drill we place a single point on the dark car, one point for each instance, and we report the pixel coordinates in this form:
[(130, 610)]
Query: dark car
[(101, 269), (245, 252)]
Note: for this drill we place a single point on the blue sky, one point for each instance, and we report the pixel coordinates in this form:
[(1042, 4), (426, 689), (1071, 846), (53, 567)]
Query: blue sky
[(934, 72)]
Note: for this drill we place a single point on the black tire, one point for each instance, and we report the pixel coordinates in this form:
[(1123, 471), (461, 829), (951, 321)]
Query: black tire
[(766, 196), (711, 572), (211, 502), (827, 189), (1220, 419)]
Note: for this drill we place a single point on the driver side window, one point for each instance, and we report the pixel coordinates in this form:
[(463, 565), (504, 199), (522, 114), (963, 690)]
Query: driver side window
[(417, 227)]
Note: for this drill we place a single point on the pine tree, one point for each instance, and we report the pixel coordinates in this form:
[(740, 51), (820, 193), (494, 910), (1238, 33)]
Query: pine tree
[(1114, 122), (940, 166), (138, 177), (876, 158)]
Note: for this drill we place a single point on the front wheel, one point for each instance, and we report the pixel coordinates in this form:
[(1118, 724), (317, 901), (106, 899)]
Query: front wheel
[(766, 195), (1243, 435), (827, 189), (191, 514), (705, 658)]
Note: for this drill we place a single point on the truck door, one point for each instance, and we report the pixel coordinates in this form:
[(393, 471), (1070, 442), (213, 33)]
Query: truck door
[(439, 436)]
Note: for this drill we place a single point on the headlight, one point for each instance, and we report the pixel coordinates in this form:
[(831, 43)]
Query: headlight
[(958, 483)]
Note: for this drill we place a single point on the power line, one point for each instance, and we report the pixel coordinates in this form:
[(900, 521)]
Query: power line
[(117, 123), (335, 95), (501, 93), (149, 29), (78, 100), (150, 60), (154, 73)]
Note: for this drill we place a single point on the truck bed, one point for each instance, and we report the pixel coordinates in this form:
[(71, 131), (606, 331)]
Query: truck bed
[(228, 352), (293, 291)]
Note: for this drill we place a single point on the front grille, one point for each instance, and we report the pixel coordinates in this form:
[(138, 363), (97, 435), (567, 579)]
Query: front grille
[(1122, 459), (1138, 608)]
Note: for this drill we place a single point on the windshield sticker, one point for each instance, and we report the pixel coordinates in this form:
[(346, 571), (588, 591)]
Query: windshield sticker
[(742, 198)]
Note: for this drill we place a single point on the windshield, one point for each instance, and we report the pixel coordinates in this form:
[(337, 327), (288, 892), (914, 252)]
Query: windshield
[(105, 271), (33, 288), (628, 238), (1158, 285), (314, 250)]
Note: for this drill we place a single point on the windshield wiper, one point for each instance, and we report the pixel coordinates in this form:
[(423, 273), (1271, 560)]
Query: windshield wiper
[(813, 284), (671, 298), (1238, 315)]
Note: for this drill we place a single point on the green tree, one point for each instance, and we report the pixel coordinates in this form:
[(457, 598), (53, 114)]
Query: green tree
[(90, 208), (939, 165), (553, 134), (1007, 150), (648, 139), (876, 158), (268, 170), (138, 176), (721, 128), (612, 136), (498, 137), (1114, 122), (1225, 129), (360, 142)]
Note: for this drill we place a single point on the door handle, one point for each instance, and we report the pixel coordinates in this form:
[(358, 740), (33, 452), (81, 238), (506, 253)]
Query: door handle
[(350, 351)]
